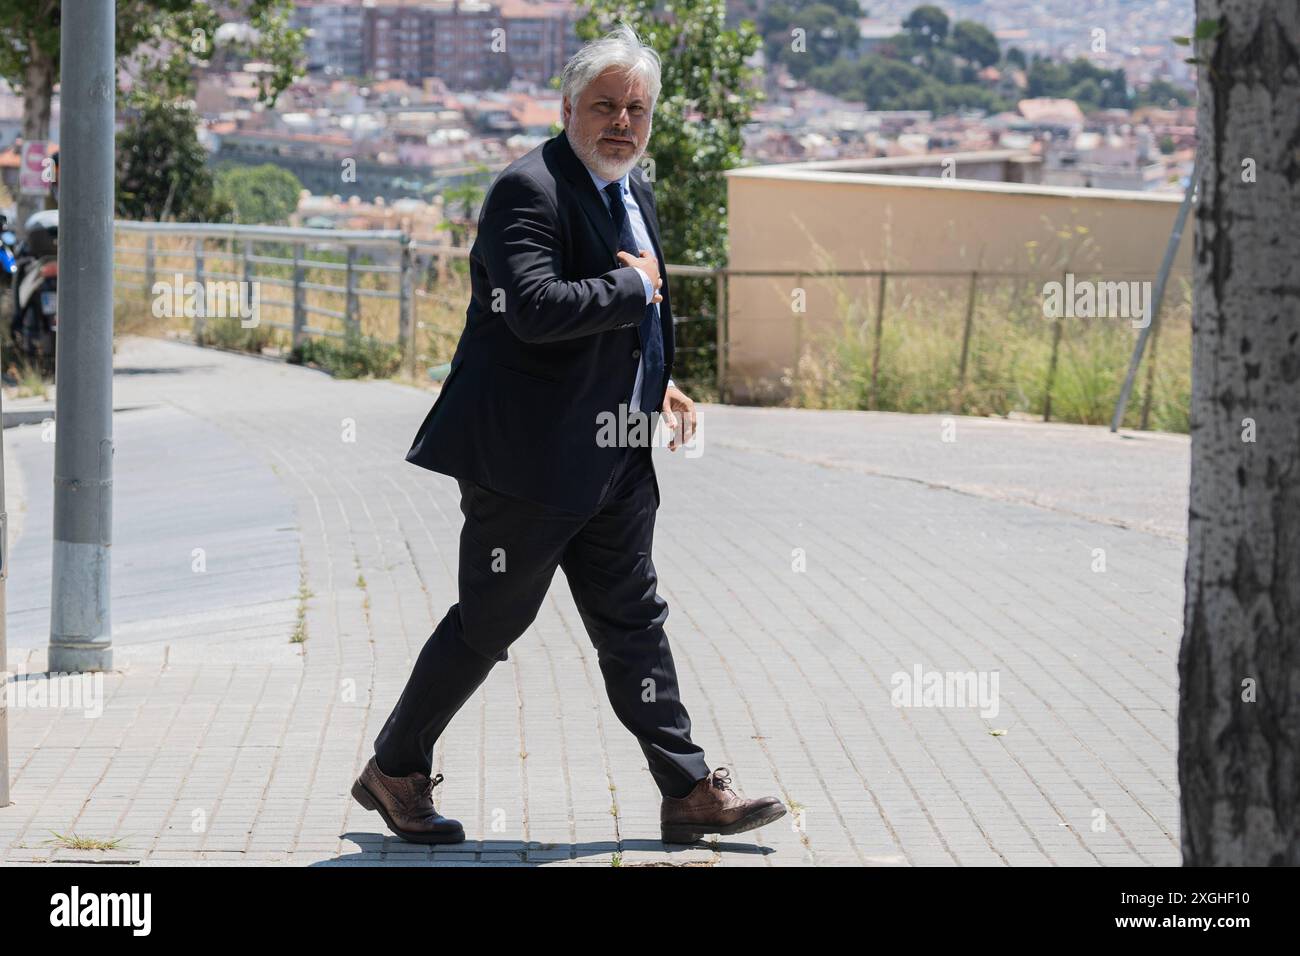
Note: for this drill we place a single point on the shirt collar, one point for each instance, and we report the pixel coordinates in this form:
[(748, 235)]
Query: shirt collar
[(602, 183)]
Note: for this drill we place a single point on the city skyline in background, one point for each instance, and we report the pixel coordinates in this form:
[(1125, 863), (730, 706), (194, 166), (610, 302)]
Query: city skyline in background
[(423, 97)]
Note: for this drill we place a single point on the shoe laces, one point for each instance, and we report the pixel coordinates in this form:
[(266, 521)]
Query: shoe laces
[(721, 779), (427, 784)]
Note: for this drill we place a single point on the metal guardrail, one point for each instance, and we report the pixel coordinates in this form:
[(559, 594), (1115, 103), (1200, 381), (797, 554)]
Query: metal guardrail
[(217, 230), (394, 253), (405, 258), (238, 251)]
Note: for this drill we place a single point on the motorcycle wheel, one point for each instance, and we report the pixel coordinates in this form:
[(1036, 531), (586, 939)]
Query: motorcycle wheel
[(29, 336), (47, 353)]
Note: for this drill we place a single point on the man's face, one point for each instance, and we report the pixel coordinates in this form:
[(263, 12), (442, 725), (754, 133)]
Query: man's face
[(609, 126)]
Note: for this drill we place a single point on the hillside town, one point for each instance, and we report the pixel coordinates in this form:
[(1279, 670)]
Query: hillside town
[(402, 100)]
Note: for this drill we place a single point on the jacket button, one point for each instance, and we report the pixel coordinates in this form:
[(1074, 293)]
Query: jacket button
[(636, 353)]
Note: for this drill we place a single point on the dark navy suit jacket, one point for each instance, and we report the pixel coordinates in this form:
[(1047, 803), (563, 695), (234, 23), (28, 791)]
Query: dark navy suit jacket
[(550, 337)]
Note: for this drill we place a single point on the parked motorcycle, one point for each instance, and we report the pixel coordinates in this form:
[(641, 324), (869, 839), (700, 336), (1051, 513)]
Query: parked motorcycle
[(36, 283), (8, 252)]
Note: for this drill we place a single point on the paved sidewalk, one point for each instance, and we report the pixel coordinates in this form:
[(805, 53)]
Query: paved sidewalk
[(808, 559)]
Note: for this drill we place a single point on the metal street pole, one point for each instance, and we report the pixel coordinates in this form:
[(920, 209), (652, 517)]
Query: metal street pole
[(1171, 250), (4, 651), (80, 631)]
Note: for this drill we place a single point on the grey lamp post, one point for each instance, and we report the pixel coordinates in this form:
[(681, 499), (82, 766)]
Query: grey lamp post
[(80, 631)]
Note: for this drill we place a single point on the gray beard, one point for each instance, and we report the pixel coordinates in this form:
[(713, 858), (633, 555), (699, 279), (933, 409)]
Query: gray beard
[(587, 151)]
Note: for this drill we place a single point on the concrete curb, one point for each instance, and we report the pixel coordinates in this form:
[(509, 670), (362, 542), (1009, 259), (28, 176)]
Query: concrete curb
[(35, 414)]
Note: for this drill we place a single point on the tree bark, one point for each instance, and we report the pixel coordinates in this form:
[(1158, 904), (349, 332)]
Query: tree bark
[(38, 91), (1239, 665)]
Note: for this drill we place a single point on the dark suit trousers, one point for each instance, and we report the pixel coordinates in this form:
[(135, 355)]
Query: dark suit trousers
[(509, 550)]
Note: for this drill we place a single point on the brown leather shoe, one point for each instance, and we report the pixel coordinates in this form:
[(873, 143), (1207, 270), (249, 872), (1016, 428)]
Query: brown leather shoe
[(713, 807), (406, 804)]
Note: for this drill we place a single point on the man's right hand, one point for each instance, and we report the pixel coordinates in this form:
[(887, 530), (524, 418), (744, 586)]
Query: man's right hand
[(647, 263)]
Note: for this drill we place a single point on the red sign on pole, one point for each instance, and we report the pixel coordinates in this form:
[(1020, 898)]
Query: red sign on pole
[(36, 171)]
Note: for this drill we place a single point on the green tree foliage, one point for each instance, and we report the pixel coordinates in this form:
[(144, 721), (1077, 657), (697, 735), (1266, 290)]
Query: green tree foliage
[(707, 97), (891, 84), (930, 65), (804, 35), (883, 83), (162, 171), (975, 42), (1079, 80), (172, 31), (168, 38), (1163, 94), (934, 65), (259, 195), (459, 205), (927, 23)]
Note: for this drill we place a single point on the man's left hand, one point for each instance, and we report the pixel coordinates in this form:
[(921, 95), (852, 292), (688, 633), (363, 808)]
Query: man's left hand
[(679, 416)]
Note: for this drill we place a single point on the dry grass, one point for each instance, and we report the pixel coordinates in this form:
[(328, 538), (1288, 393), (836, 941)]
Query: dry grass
[(1008, 360), (438, 310), (1007, 365), (72, 841)]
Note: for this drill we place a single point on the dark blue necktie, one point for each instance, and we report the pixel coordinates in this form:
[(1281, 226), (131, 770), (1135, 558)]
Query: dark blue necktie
[(652, 338)]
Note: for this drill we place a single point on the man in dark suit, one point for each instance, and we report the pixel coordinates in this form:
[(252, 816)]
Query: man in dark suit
[(569, 327)]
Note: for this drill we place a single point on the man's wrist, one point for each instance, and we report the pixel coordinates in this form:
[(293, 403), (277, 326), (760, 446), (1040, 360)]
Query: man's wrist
[(645, 281)]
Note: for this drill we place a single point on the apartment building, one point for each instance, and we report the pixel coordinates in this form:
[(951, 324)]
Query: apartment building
[(468, 44), (540, 37), (333, 44)]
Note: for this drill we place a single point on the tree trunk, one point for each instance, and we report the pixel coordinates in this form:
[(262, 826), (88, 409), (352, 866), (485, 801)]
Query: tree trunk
[(38, 91), (1239, 665)]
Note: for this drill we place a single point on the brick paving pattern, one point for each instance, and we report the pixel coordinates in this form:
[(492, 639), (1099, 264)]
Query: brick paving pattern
[(808, 559)]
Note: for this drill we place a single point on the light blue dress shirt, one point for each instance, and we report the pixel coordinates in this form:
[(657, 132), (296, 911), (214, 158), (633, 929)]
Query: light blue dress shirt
[(642, 236)]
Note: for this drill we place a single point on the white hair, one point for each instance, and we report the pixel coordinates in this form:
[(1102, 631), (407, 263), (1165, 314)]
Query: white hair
[(622, 48)]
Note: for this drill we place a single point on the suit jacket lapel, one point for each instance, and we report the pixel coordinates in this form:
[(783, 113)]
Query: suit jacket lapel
[(594, 207)]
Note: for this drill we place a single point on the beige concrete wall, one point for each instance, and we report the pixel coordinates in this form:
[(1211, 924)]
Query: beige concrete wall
[(781, 219)]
